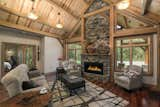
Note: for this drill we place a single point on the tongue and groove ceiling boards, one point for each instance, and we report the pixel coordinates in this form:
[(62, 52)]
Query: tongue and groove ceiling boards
[(13, 13)]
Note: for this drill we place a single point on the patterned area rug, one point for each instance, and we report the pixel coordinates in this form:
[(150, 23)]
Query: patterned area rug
[(94, 96)]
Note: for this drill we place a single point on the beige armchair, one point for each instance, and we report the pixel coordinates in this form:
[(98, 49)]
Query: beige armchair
[(13, 80), (130, 79), (71, 67)]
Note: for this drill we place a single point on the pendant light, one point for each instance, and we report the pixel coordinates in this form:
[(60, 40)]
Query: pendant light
[(124, 4), (59, 24), (32, 14)]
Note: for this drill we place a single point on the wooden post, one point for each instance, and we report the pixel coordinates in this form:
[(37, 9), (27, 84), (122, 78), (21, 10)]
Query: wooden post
[(82, 33), (158, 56), (64, 49), (112, 30)]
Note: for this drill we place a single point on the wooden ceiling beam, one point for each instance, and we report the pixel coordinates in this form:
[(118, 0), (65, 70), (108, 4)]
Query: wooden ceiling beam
[(17, 20), (97, 11), (129, 13), (125, 22), (90, 3), (135, 31), (20, 27), (10, 11), (75, 28), (149, 15), (74, 39), (52, 2), (109, 1), (145, 6)]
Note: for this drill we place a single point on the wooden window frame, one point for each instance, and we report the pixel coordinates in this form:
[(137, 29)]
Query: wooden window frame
[(149, 44), (71, 49)]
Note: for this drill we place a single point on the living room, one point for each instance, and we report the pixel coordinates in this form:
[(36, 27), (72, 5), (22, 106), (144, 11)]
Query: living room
[(79, 53)]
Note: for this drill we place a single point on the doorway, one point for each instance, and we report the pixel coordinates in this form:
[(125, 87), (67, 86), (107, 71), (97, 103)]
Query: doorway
[(15, 54)]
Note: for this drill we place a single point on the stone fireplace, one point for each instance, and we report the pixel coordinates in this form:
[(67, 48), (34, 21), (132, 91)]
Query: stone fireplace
[(93, 67), (96, 56), (102, 61)]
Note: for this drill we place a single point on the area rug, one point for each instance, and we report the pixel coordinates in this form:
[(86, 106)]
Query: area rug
[(94, 96)]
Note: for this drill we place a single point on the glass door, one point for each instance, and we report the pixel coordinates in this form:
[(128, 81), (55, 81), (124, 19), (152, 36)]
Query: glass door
[(15, 54)]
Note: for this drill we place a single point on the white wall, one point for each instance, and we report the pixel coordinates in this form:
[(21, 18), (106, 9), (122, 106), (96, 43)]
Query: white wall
[(153, 79), (19, 37), (52, 51)]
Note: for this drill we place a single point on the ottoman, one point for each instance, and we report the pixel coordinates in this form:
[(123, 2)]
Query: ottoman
[(73, 82)]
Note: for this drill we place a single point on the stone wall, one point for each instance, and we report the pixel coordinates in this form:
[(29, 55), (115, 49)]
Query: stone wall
[(97, 41)]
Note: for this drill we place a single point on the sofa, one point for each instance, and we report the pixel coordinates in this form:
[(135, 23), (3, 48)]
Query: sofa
[(14, 79), (130, 78)]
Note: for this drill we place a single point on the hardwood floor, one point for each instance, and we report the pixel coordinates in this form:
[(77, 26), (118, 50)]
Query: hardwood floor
[(138, 98)]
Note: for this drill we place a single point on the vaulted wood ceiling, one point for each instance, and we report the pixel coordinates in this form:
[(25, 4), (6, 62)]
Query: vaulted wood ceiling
[(13, 13)]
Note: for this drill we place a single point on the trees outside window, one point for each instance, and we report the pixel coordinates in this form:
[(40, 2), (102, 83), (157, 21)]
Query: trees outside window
[(134, 51), (74, 52)]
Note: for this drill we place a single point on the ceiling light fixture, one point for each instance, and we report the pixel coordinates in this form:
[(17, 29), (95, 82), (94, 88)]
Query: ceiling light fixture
[(31, 14), (59, 24), (124, 4)]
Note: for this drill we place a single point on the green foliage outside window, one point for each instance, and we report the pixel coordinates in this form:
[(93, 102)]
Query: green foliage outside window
[(133, 51), (74, 52)]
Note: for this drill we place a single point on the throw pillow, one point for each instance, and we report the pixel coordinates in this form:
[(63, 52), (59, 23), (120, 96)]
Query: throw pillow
[(133, 73), (28, 85)]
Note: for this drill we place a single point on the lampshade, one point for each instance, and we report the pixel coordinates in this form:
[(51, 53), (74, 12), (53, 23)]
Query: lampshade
[(124, 4), (59, 24), (32, 15)]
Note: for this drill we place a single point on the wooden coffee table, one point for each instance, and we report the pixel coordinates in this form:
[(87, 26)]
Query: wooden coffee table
[(29, 99)]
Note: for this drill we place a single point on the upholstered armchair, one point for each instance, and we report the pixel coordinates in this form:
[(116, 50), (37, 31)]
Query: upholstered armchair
[(71, 67), (130, 78), (14, 79)]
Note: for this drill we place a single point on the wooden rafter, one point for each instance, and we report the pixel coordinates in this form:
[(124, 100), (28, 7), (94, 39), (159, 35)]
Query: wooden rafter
[(97, 11), (79, 21), (149, 15), (112, 2), (61, 42), (135, 31), (20, 27), (17, 19), (74, 39), (10, 11), (125, 22), (75, 29), (139, 17), (145, 6), (62, 8), (109, 1), (90, 3)]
